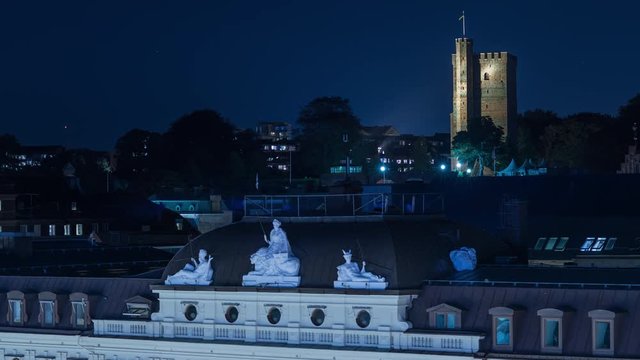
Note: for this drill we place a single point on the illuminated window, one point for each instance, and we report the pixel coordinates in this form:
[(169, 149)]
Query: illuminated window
[(52, 230), (598, 245), (602, 331), (587, 244), (502, 328), (74, 206), (67, 229), (79, 229)]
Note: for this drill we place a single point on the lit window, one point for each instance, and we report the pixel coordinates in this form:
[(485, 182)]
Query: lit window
[(598, 245), (602, 322), (52, 230), (444, 316), (67, 230), (562, 244), (551, 330), (47, 313), (0, 205), (502, 328), (587, 244), (79, 229), (74, 206)]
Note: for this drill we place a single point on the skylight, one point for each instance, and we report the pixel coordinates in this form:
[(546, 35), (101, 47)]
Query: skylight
[(562, 243), (587, 244)]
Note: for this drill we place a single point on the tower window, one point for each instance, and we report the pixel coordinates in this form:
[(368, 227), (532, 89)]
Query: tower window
[(486, 76)]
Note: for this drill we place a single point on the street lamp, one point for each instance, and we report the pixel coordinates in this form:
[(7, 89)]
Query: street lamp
[(384, 177), (443, 167)]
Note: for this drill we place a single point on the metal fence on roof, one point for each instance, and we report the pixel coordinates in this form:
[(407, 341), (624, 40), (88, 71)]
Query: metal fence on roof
[(344, 204)]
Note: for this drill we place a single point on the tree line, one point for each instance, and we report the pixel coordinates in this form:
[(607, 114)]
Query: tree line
[(583, 142)]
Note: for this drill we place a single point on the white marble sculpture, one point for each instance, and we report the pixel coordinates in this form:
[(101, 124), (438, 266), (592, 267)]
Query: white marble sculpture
[(350, 276), (198, 273), (463, 258), (274, 265)]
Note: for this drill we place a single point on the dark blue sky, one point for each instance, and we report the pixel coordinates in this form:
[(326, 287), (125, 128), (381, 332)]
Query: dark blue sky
[(104, 67)]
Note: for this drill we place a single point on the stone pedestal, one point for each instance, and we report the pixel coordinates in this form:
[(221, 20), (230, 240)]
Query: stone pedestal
[(271, 281), (373, 285)]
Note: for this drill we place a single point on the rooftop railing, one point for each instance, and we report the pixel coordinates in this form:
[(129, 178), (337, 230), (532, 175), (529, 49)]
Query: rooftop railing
[(343, 205)]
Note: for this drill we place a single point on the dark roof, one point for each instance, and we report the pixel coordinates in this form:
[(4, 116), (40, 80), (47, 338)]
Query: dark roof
[(477, 300), (405, 252), (107, 296)]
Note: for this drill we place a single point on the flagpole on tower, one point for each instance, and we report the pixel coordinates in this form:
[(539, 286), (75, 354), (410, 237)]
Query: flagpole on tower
[(464, 25)]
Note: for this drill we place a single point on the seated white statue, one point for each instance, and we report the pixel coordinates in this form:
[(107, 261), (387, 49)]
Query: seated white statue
[(350, 272), (277, 259), (463, 258), (198, 273)]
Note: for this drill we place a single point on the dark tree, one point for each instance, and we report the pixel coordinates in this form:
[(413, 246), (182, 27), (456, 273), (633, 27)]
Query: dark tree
[(567, 143), (531, 128), (326, 122), (478, 141), (198, 145)]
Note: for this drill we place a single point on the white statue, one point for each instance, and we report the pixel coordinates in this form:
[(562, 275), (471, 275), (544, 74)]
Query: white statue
[(463, 258), (351, 276), (198, 273), (274, 265)]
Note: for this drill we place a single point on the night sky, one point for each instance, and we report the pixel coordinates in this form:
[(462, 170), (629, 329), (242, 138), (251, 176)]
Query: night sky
[(104, 67)]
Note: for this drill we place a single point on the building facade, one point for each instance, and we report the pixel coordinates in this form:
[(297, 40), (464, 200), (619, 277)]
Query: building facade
[(484, 84)]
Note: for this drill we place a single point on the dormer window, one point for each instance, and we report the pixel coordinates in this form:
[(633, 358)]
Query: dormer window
[(551, 330), (602, 331), (444, 316), (48, 309), (17, 314), (138, 307), (502, 328), (79, 310)]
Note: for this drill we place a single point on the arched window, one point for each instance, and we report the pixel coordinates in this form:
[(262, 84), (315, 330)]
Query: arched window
[(486, 76)]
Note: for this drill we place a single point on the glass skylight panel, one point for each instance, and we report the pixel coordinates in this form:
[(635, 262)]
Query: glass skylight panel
[(598, 244), (587, 244), (562, 244), (551, 243), (540, 243), (610, 243)]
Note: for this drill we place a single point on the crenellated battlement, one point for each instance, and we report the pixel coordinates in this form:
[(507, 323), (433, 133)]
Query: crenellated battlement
[(493, 55), (464, 40)]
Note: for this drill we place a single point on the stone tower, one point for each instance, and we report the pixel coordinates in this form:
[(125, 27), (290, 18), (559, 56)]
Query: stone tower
[(483, 85)]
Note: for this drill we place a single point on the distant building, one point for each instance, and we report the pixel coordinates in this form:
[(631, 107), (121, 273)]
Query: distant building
[(484, 84), (277, 143)]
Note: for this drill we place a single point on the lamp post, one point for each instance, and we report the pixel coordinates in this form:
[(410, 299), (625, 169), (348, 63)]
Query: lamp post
[(383, 169)]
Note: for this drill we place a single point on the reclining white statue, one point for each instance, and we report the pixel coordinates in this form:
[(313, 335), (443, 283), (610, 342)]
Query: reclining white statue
[(198, 273), (350, 276), (274, 265)]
